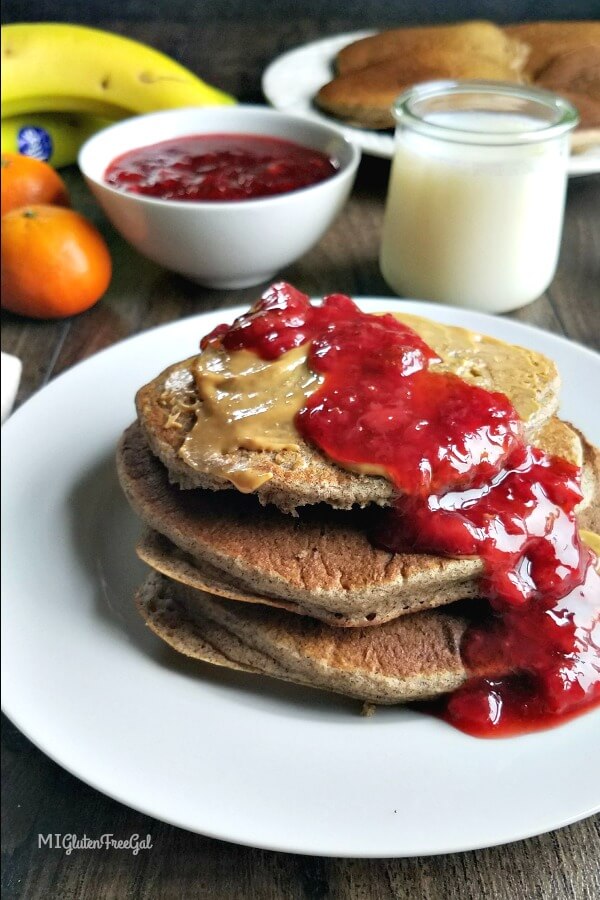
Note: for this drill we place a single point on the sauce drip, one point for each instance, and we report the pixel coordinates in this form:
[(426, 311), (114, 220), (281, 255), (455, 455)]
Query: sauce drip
[(470, 486), (219, 167)]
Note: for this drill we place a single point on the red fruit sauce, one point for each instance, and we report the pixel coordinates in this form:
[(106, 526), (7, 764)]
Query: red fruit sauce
[(219, 167), (471, 486)]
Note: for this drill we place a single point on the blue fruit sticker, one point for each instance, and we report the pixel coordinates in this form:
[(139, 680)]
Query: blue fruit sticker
[(34, 141)]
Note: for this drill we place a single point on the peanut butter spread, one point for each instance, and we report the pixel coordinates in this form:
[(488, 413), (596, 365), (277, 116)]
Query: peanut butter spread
[(247, 403), (523, 375), (250, 403)]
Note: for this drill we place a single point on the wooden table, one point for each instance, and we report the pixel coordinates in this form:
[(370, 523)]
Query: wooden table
[(39, 797)]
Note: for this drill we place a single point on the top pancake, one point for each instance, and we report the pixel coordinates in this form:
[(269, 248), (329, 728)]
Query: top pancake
[(166, 412), (478, 38)]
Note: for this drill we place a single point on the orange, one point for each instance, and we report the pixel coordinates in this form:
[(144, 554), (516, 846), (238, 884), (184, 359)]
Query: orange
[(26, 180), (54, 262)]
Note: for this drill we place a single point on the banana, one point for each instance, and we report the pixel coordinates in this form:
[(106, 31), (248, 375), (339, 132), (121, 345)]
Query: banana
[(71, 68), (592, 540), (51, 137)]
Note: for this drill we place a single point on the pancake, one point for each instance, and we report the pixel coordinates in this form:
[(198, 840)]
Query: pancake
[(577, 71), (589, 514), (321, 563), (415, 658), (166, 411), (364, 97), (479, 38), (548, 40), (564, 57), (576, 75)]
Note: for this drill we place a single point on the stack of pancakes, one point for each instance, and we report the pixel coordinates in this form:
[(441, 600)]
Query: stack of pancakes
[(370, 73), (284, 581)]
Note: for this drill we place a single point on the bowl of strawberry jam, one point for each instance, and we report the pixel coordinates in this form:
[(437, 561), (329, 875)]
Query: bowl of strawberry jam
[(226, 196)]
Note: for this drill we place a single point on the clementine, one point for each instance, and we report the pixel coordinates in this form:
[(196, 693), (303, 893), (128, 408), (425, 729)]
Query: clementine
[(54, 262), (27, 180)]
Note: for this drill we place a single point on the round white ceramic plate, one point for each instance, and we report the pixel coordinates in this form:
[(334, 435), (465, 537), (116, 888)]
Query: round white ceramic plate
[(229, 755), (291, 81)]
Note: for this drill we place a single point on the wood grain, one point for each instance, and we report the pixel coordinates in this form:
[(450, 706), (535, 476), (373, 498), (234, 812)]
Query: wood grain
[(39, 796)]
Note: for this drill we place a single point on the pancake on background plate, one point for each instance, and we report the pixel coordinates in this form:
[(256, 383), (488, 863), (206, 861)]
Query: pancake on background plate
[(563, 57)]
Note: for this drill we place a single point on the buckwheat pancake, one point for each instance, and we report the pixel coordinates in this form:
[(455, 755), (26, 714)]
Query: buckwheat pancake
[(564, 57), (365, 97), (414, 658), (548, 40), (320, 563), (588, 515), (478, 38), (576, 76), (167, 410)]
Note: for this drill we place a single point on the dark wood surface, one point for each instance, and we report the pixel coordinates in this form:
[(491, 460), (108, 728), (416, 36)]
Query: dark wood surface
[(40, 797), (354, 13)]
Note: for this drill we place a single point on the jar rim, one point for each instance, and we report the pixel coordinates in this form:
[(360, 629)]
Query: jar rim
[(565, 114)]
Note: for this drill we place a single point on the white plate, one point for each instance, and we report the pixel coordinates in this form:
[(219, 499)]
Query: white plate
[(291, 81), (228, 755)]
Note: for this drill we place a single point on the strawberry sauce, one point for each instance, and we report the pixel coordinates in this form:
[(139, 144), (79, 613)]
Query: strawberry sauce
[(470, 485), (217, 167)]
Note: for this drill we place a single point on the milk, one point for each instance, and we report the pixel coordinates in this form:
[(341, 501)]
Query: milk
[(474, 224)]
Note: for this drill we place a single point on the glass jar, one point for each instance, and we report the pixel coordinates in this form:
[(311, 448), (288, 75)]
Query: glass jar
[(476, 196)]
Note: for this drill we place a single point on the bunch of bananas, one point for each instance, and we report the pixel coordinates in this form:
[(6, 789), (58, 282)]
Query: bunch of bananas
[(61, 83)]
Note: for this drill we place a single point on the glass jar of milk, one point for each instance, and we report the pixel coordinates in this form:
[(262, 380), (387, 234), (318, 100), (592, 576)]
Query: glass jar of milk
[(477, 192)]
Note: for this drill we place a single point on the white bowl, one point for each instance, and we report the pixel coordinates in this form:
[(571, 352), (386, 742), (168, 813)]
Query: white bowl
[(223, 244)]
